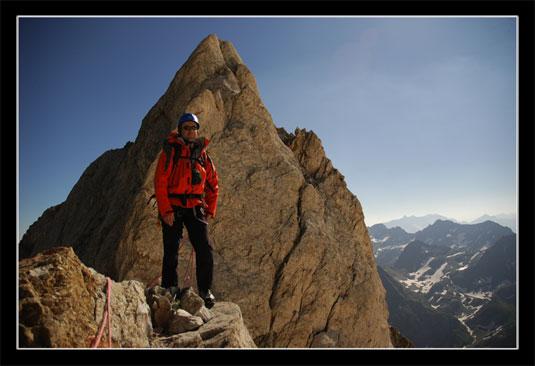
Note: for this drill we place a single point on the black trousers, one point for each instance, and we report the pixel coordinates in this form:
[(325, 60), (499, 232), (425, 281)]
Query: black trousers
[(194, 220)]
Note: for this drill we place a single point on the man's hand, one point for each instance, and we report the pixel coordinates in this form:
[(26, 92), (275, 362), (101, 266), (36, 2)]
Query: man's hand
[(169, 218)]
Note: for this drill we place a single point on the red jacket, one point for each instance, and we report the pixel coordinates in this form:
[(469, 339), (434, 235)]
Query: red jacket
[(177, 179)]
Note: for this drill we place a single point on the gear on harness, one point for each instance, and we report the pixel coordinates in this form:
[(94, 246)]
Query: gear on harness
[(195, 156), (175, 150), (184, 197)]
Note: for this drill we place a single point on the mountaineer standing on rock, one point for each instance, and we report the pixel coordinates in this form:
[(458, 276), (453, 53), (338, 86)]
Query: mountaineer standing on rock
[(186, 189)]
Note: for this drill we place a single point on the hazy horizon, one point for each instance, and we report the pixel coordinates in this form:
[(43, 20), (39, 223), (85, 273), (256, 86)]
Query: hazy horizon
[(417, 113), (459, 220)]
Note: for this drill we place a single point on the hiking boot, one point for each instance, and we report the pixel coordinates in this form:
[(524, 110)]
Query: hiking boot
[(208, 297)]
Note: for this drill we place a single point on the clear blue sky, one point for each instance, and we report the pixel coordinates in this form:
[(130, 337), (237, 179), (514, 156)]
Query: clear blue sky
[(418, 114)]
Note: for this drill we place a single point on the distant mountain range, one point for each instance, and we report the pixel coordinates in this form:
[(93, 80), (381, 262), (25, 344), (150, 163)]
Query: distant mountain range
[(412, 224), (450, 234), (389, 243), (466, 271), (508, 220)]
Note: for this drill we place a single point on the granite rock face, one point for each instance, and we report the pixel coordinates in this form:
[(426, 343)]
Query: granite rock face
[(62, 302), (290, 244)]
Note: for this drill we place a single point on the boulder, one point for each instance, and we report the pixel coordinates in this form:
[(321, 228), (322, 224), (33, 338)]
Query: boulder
[(61, 304), (225, 330), (190, 301), (183, 340), (182, 321), (205, 314), (161, 312)]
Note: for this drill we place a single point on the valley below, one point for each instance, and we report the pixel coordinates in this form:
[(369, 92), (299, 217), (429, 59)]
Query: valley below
[(450, 285)]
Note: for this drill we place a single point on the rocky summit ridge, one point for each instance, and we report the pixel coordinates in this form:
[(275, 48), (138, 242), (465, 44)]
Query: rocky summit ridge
[(291, 248), (62, 304)]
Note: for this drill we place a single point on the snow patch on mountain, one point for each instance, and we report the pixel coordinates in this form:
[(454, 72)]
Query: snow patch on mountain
[(480, 295), (402, 246), (419, 282), (435, 278), (462, 320), (419, 273), (375, 240), (475, 255), (454, 255)]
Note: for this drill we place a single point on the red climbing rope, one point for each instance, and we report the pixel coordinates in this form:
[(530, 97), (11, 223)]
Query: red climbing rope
[(109, 312), (105, 319)]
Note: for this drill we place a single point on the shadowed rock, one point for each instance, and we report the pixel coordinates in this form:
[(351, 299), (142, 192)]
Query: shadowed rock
[(398, 340)]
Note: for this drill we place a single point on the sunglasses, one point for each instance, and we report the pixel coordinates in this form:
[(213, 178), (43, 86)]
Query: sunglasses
[(189, 128)]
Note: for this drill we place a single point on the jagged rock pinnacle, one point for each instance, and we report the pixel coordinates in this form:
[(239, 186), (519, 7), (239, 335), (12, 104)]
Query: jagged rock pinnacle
[(290, 244)]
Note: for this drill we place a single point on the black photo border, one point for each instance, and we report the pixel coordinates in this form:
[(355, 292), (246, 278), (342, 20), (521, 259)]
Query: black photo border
[(524, 355)]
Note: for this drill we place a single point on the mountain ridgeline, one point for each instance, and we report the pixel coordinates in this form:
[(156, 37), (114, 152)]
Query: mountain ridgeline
[(412, 224)]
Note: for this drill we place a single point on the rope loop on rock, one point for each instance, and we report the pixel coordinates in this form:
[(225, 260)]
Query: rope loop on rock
[(106, 319)]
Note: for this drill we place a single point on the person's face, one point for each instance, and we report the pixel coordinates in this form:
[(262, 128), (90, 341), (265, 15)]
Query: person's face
[(189, 130)]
